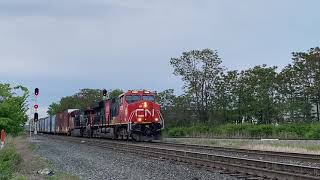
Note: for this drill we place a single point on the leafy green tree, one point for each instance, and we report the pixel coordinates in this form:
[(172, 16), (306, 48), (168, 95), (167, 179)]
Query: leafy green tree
[(300, 85), (225, 99), (307, 66), (199, 70), (166, 99), (257, 94), (292, 99), (53, 108), (13, 108), (115, 93), (176, 110), (81, 100)]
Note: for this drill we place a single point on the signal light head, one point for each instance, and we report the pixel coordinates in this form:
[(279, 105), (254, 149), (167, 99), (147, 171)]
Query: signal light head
[(36, 106), (36, 91), (104, 92), (35, 117)]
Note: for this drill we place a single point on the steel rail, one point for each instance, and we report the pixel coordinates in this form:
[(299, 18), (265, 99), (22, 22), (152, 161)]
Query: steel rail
[(312, 158)]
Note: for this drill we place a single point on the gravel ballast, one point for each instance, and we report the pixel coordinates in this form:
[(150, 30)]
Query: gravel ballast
[(97, 163), (239, 155)]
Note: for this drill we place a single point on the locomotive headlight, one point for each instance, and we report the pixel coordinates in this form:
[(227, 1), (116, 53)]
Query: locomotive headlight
[(145, 104), (139, 119), (156, 119)]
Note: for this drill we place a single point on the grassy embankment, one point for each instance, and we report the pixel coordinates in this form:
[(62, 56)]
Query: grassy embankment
[(10, 161), (283, 131), (19, 161)]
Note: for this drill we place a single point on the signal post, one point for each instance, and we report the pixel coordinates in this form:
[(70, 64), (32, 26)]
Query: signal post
[(36, 106)]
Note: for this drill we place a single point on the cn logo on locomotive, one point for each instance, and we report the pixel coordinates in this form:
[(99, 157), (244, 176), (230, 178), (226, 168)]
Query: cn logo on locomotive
[(145, 111)]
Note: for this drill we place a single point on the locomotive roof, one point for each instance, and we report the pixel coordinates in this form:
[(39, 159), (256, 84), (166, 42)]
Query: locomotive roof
[(131, 92)]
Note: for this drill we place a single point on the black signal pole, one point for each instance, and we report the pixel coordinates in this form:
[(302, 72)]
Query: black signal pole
[(36, 106)]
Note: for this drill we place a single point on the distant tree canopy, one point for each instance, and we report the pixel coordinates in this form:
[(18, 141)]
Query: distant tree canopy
[(214, 95), (13, 108), (199, 71), (260, 94), (80, 100)]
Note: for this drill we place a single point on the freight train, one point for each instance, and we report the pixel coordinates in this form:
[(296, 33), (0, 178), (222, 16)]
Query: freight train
[(132, 115)]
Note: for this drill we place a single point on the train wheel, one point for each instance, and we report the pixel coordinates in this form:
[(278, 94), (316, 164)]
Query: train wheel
[(89, 133), (125, 134), (81, 132), (136, 137)]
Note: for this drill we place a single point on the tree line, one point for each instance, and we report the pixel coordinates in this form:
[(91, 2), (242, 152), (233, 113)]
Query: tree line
[(80, 100), (261, 94), (215, 95)]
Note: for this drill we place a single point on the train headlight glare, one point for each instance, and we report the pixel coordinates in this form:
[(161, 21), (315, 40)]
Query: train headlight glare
[(156, 119), (145, 104), (139, 119)]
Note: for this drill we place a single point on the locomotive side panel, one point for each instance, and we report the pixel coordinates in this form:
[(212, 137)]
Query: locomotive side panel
[(107, 112)]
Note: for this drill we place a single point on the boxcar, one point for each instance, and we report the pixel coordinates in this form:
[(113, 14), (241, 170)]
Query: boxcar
[(40, 123), (53, 124), (63, 122), (47, 125)]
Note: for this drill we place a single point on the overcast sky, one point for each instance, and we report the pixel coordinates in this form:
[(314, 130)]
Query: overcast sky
[(62, 46)]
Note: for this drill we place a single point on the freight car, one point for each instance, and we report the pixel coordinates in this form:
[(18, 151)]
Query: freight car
[(133, 114)]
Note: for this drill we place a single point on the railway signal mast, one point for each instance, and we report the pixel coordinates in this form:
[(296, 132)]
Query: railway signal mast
[(104, 94), (36, 106)]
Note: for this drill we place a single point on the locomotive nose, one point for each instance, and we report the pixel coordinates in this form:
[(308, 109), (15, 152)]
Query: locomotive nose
[(145, 104)]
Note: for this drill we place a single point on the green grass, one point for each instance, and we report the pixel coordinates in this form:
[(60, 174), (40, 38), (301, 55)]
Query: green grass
[(12, 166), (10, 161), (32, 146), (283, 131)]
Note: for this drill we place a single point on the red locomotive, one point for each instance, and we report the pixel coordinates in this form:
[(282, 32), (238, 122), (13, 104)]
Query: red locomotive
[(133, 114)]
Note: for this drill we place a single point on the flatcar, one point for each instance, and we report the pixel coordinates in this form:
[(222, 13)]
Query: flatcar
[(132, 115)]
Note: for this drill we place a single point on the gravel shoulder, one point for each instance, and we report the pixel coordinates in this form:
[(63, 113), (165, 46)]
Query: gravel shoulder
[(28, 162), (98, 163)]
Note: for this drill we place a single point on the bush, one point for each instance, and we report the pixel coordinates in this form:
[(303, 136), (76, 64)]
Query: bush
[(177, 132), (314, 132), (10, 161)]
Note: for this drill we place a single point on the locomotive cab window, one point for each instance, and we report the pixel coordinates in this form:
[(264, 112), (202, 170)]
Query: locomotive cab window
[(148, 98), (132, 98)]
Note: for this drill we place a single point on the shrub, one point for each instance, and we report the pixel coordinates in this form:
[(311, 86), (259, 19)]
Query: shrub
[(10, 160), (177, 132), (283, 131), (314, 132)]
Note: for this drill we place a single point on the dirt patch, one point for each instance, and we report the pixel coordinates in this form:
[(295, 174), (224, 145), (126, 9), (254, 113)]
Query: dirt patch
[(31, 162)]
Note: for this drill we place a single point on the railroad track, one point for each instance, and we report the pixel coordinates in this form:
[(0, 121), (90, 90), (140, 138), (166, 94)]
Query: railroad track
[(240, 167), (311, 158)]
